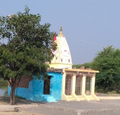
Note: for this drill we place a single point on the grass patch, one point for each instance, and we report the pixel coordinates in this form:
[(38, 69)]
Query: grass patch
[(107, 92)]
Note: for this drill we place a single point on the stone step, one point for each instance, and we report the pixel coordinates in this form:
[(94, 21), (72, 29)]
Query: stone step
[(47, 98)]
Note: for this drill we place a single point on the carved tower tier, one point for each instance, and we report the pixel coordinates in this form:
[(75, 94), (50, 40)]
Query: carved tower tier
[(62, 56)]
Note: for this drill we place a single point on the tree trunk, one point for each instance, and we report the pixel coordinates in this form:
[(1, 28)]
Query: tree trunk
[(12, 94)]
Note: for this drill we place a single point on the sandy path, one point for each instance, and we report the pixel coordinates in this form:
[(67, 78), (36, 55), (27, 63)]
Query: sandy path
[(18, 113)]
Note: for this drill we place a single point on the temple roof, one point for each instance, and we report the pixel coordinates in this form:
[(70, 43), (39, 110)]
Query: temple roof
[(82, 70), (54, 70), (62, 56)]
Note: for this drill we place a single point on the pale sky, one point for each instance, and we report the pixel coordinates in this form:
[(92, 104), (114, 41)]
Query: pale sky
[(88, 25)]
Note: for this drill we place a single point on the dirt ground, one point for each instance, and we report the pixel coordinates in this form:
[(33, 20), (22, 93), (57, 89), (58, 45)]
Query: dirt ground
[(4, 101), (102, 107), (18, 113)]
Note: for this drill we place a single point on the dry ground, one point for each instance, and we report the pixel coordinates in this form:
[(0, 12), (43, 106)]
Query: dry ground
[(102, 107), (4, 101), (18, 113)]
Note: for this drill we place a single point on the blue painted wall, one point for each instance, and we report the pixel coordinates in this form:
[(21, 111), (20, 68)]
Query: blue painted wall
[(36, 89), (56, 85)]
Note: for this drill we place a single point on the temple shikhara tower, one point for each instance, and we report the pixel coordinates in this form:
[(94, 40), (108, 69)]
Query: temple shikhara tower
[(62, 56)]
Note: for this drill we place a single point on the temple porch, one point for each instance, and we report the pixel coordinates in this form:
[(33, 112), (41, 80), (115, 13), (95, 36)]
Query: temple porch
[(79, 84)]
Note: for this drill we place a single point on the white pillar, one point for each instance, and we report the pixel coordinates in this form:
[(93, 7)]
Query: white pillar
[(93, 84), (63, 83), (73, 83), (83, 84)]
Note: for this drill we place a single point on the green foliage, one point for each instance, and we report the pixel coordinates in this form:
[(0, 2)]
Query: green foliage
[(108, 63), (28, 48)]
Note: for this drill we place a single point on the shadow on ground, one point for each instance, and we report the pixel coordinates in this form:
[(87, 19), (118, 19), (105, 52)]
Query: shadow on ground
[(6, 100)]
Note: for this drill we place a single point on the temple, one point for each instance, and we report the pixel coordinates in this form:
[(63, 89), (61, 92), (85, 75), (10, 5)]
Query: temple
[(64, 82)]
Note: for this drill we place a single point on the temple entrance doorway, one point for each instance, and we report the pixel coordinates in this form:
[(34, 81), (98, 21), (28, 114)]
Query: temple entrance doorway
[(47, 85), (68, 85), (88, 86), (78, 86)]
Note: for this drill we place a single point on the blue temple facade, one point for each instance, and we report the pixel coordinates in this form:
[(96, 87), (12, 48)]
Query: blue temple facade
[(42, 90)]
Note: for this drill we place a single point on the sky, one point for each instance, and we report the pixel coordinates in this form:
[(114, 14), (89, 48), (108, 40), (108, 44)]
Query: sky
[(88, 25)]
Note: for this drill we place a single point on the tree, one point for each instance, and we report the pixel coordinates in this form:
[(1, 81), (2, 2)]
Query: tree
[(108, 63), (29, 46)]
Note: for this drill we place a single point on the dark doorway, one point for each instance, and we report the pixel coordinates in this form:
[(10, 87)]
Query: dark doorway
[(88, 85), (78, 85), (68, 85), (47, 85)]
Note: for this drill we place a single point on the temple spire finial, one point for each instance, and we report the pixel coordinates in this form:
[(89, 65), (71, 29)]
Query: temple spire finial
[(61, 28), (61, 34)]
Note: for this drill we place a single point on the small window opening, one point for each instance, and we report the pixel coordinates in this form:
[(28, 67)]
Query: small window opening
[(56, 58), (68, 60)]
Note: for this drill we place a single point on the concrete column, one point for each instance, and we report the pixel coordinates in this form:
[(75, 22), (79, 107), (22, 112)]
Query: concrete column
[(73, 83), (93, 84), (83, 84), (63, 82)]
